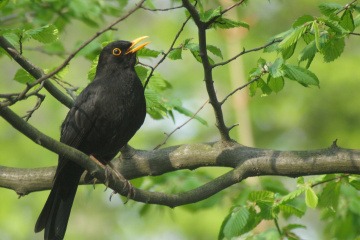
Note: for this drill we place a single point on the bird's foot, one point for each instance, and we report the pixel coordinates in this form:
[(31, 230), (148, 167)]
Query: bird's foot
[(127, 185)]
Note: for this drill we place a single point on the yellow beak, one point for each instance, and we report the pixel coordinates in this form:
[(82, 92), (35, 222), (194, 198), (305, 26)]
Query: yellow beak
[(133, 49)]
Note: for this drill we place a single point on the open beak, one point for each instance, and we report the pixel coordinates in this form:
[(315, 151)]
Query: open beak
[(133, 48)]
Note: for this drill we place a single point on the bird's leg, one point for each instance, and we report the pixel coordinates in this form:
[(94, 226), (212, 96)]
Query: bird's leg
[(127, 184), (110, 167)]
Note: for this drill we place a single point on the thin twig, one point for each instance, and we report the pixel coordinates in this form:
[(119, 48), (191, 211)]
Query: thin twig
[(245, 52), (182, 125), (167, 53), (211, 21), (161, 9), (22, 95), (239, 88)]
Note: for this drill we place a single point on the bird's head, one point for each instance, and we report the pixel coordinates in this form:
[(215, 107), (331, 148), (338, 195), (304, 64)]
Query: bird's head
[(120, 54)]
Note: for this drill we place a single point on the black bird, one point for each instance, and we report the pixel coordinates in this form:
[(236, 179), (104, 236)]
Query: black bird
[(103, 119)]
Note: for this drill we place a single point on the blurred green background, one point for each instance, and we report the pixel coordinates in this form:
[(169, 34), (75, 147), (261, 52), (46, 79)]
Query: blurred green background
[(297, 118)]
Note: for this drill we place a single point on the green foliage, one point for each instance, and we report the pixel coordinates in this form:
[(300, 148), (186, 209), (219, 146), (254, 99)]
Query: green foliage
[(23, 76), (324, 35)]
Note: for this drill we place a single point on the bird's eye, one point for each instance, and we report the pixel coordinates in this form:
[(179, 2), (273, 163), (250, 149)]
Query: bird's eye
[(116, 51)]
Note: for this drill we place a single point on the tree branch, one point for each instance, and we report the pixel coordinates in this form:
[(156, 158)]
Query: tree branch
[(40, 76), (244, 161), (208, 78)]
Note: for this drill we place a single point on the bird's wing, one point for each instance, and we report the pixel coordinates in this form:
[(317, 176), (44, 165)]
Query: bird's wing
[(79, 122)]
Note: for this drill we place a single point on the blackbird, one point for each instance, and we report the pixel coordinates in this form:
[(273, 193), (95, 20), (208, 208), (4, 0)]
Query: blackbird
[(105, 116)]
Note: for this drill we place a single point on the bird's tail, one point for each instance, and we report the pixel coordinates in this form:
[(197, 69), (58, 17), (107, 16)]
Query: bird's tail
[(55, 214)]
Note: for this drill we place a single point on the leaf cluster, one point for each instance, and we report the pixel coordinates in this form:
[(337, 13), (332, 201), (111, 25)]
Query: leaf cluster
[(324, 35), (336, 195)]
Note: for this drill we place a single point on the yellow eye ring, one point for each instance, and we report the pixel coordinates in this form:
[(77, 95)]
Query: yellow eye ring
[(116, 51)]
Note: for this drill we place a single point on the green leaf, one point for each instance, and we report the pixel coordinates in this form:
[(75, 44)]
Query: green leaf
[(293, 37), (240, 221), (158, 83), (291, 210), (45, 34), (301, 75), (142, 72), (334, 26), (92, 70), (333, 49), (154, 107), (146, 52), (329, 196), (236, 222), (315, 28), (275, 69), (311, 199), (302, 20), (188, 113), (347, 20), (225, 23), (175, 54), (263, 196), (276, 84), (214, 50), (292, 195), (3, 3), (329, 8), (308, 53), (23, 76), (209, 14), (264, 87)]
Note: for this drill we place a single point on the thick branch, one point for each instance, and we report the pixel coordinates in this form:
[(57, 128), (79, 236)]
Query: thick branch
[(244, 161)]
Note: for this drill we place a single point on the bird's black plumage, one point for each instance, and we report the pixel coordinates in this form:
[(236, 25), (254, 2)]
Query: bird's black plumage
[(104, 117)]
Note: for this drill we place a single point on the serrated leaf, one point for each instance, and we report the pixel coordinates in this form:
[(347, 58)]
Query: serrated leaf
[(209, 14), (92, 70), (329, 196), (291, 210), (355, 184), (275, 69), (334, 26), (153, 104), (158, 83), (264, 87), (175, 54), (286, 53), (308, 53), (147, 52), (333, 49), (142, 72), (23, 76), (240, 221), (347, 20), (329, 8), (225, 23), (315, 28), (311, 199), (236, 222), (302, 20), (292, 195), (214, 50), (45, 34), (276, 84), (263, 196), (293, 37), (301, 75)]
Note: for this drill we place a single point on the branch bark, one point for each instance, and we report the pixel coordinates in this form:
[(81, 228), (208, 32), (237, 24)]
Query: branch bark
[(244, 161)]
